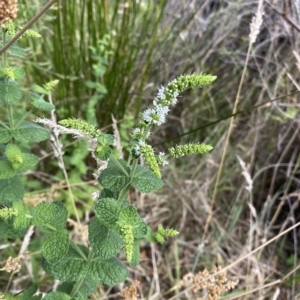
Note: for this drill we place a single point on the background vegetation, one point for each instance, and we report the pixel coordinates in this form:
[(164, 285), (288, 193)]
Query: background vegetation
[(138, 46)]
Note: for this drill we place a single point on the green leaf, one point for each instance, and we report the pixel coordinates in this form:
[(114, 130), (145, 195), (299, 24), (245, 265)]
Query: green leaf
[(18, 72), (135, 259), (29, 132), (55, 245), (107, 210), (29, 292), (43, 105), (73, 267), (39, 89), (128, 216), (140, 228), (50, 215), (10, 93), (109, 272), (21, 221), (57, 296), (105, 193), (11, 190), (15, 50), (103, 152), (106, 242), (6, 169), (116, 176), (145, 180), (29, 162), (106, 138), (8, 231), (5, 134)]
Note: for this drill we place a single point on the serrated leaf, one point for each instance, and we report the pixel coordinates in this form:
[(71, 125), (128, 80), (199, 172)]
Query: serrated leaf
[(109, 272), (107, 210), (18, 72), (50, 214), (103, 152), (29, 162), (106, 138), (10, 93), (55, 245), (29, 132), (15, 50), (11, 190), (145, 180), (105, 242), (73, 267), (135, 259), (105, 193), (5, 134), (21, 221), (39, 89), (128, 216), (6, 169), (43, 105), (29, 292), (57, 296), (8, 231), (116, 176), (140, 228)]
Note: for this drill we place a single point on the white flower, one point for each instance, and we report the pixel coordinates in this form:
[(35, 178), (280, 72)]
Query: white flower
[(136, 130), (147, 115), (161, 93), (174, 99), (137, 149)]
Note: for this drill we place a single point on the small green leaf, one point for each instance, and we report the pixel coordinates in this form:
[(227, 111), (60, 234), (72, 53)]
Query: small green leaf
[(5, 134), (145, 180), (43, 105), (11, 190), (128, 216), (21, 221), (8, 231), (103, 152), (55, 245), (140, 228), (29, 132), (105, 242), (18, 72), (29, 162), (107, 210), (14, 155), (6, 169), (28, 293), (73, 267), (10, 93), (39, 89), (116, 176), (109, 272), (15, 50), (57, 296), (50, 215)]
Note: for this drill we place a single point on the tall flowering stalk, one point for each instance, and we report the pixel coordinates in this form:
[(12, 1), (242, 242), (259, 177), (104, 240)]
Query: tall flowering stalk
[(156, 116)]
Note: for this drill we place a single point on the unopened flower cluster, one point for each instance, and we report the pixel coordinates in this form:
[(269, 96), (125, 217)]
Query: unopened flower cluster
[(8, 11)]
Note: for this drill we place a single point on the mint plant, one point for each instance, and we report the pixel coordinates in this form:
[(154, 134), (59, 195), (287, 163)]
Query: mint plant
[(117, 226)]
